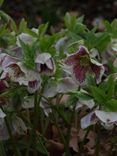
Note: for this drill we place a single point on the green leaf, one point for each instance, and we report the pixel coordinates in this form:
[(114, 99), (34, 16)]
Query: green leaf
[(22, 26), (102, 41), (70, 21), (83, 96), (28, 55), (13, 25), (80, 19), (42, 29), (90, 80), (111, 29), (98, 94), (110, 87), (30, 32), (5, 17), (111, 105)]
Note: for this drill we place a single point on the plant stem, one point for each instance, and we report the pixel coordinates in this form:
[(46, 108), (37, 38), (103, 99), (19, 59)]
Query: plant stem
[(16, 150), (35, 122), (97, 148), (2, 149), (44, 148), (73, 116)]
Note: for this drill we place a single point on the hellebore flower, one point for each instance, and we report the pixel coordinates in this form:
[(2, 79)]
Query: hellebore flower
[(45, 64), (7, 60), (26, 38), (82, 64), (108, 119), (16, 72), (24, 76)]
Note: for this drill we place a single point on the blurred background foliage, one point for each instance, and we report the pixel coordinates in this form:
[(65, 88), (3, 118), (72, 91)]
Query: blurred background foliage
[(39, 11)]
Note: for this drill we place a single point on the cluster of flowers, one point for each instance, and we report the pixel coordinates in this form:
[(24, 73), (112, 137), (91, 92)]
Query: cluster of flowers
[(75, 67)]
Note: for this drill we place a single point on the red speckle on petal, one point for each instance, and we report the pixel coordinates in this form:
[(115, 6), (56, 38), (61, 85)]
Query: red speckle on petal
[(96, 69), (80, 72)]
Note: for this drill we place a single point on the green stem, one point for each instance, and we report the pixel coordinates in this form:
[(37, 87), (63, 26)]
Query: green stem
[(46, 126), (16, 150), (44, 148), (97, 148), (2, 149), (35, 123)]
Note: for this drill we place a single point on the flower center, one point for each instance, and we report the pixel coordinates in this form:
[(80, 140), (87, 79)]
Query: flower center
[(84, 60)]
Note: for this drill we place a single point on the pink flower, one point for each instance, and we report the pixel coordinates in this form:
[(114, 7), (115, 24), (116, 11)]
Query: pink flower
[(82, 63)]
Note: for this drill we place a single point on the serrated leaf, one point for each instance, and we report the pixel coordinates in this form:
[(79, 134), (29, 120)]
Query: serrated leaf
[(22, 26), (42, 29), (30, 32), (28, 55), (70, 21), (98, 94)]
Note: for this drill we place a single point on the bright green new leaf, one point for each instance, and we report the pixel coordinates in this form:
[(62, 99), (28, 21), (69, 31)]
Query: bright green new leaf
[(42, 29)]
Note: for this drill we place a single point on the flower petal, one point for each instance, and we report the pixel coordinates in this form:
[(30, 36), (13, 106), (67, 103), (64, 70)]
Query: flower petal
[(50, 89), (19, 126), (46, 108), (98, 69), (88, 120), (66, 84), (7, 60), (106, 117), (33, 86), (74, 58), (42, 58), (45, 64), (26, 38), (2, 114), (80, 72)]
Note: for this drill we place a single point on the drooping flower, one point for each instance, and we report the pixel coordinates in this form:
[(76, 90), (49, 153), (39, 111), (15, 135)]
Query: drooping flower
[(17, 72), (107, 119), (27, 77), (7, 60), (88, 120), (26, 38), (82, 64), (45, 64)]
